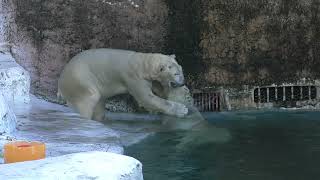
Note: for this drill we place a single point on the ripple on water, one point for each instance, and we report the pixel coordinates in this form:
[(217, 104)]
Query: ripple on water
[(264, 146)]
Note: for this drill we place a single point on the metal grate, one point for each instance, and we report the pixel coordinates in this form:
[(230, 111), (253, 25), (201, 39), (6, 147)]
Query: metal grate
[(207, 102), (284, 94)]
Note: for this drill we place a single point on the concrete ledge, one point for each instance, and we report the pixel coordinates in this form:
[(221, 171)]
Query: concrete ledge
[(88, 165)]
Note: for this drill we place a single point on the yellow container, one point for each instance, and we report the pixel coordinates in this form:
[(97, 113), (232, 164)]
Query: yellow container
[(20, 151)]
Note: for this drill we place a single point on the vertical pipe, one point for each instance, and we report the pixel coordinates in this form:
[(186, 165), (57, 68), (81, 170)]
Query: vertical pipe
[(301, 94), (276, 93), (292, 95)]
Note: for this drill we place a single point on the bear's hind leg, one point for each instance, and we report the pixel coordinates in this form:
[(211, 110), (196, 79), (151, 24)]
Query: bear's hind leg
[(86, 105), (99, 110)]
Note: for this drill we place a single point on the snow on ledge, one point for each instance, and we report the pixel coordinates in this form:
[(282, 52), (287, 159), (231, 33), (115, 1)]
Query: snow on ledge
[(14, 80), (88, 165), (8, 120)]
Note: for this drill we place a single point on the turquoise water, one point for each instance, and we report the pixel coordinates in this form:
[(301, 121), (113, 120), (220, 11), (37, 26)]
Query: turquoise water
[(264, 146)]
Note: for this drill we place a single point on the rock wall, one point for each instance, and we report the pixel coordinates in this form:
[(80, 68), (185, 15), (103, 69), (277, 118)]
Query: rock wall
[(260, 42), (219, 43), (46, 33)]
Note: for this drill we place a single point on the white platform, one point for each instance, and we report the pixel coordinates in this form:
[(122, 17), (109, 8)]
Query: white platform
[(88, 165)]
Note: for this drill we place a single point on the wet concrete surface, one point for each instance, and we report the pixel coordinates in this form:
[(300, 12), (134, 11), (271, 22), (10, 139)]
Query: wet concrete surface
[(65, 132)]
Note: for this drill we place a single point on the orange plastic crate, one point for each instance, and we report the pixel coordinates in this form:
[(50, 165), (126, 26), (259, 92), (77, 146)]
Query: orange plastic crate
[(23, 151)]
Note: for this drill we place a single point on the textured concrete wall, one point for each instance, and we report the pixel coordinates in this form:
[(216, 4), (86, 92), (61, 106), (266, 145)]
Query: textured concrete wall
[(219, 43), (48, 33), (260, 42), (245, 42)]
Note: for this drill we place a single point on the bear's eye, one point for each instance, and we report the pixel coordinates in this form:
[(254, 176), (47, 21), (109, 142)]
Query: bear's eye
[(161, 69), (170, 67)]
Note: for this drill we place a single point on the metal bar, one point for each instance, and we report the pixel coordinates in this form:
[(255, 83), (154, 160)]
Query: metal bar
[(218, 99), (206, 101), (284, 93), (214, 102), (268, 98), (210, 102), (202, 102), (309, 92)]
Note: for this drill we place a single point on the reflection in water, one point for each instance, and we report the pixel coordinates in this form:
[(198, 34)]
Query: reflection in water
[(264, 146)]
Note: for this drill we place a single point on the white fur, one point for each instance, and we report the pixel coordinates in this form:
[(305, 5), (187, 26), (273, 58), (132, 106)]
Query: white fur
[(97, 74)]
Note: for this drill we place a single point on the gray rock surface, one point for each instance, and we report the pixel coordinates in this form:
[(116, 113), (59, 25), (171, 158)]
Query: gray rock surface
[(48, 33), (88, 165), (218, 42)]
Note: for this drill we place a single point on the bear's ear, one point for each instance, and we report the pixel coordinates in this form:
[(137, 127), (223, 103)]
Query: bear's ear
[(173, 56)]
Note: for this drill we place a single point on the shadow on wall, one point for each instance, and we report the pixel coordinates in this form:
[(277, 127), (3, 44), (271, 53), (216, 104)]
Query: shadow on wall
[(183, 39)]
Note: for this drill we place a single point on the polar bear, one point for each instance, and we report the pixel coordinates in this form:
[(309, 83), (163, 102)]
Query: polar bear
[(97, 74)]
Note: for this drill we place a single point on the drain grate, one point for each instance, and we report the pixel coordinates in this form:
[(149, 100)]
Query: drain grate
[(284, 93), (207, 102)]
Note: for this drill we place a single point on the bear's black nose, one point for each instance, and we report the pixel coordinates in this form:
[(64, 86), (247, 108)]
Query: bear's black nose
[(175, 84)]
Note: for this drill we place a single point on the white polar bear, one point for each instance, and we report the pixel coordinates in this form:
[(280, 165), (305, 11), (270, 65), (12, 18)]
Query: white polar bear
[(97, 74)]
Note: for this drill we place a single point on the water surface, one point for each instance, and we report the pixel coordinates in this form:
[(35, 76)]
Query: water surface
[(264, 146)]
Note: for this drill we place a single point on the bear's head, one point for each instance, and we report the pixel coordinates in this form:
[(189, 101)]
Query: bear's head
[(169, 72)]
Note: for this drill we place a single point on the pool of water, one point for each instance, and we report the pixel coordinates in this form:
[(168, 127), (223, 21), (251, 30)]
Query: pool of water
[(264, 146)]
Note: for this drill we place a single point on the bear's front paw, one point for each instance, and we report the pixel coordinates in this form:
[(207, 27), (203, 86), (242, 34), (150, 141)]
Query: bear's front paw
[(179, 110)]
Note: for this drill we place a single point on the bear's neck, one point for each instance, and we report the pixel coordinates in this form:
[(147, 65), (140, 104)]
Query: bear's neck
[(146, 66)]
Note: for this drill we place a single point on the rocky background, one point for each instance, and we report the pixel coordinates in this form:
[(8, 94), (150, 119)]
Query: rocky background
[(47, 34), (260, 42), (219, 43)]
